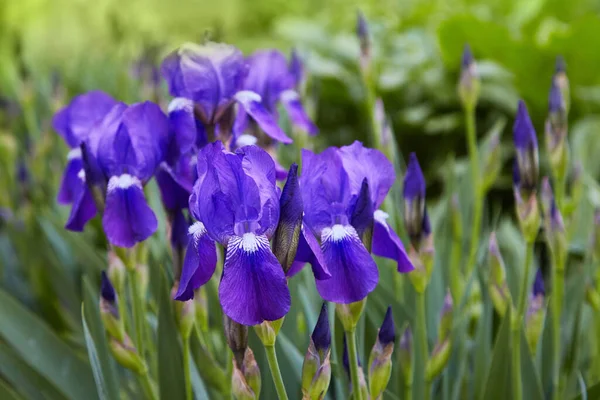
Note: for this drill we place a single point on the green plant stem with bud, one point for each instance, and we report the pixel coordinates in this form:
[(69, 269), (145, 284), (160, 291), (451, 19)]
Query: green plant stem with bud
[(421, 348), (138, 310), (556, 299), (186, 368), (477, 189), (517, 324), (275, 372), (353, 360), (148, 386)]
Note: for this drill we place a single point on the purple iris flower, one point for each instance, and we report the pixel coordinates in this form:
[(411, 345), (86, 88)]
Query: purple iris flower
[(237, 202), (74, 123), (127, 147), (212, 77), (526, 145), (333, 184), (274, 81)]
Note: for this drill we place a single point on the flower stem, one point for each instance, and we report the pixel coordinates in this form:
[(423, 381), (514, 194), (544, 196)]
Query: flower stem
[(275, 372), (138, 310), (353, 359), (148, 386), (186, 368), (477, 190), (518, 321), (422, 348), (556, 299)]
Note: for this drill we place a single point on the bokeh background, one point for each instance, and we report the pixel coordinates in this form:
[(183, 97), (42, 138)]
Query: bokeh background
[(51, 50)]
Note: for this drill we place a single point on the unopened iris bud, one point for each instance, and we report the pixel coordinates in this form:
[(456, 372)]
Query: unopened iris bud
[(296, 69), (201, 308), (125, 353), (562, 81), (554, 227), (267, 331), (556, 134), (237, 338), (405, 355), (109, 311), (362, 215), (349, 314), (469, 84), (414, 200), (497, 285), (492, 156), (287, 235), (185, 313), (526, 146), (116, 271), (245, 379), (380, 360), (441, 352), (362, 32), (316, 369), (534, 322), (361, 375)]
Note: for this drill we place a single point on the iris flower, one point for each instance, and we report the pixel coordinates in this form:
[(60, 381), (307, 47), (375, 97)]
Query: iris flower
[(236, 202), (342, 191), (74, 123)]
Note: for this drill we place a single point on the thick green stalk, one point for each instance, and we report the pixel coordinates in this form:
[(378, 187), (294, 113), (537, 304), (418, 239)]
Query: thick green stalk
[(275, 372), (138, 310), (421, 348), (517, 324), (353, 359), (186, 368), (477, 192)]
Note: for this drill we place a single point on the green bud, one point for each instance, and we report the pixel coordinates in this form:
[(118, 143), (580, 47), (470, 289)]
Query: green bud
[(201, 307), (185, 313), (445, 326), (438, 360), (492, 156), (237, 338), (267, 331), (497, 285), (558, 153), (534, 322), (252, 372), (111, 320), (380, 368), (469, 84), (349, 314), (116, 271), (316, 373), (141, 273), (528, 213), (422, 260), (239, 387), (126, 355)]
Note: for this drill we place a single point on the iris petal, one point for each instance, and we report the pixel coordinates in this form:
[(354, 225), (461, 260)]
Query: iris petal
[(386, 243), (309, 251), (293, 106), (70, 181), (83, 208), (253, 287), (252, 104)]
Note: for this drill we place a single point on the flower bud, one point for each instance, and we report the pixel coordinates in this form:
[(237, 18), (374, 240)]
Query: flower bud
[(237, 338), (109, 310), (492, 156), (267, 331), (525, 177), (287, 235), (469, 84), (296, 69), (201, 308), (528, 214), (380, 360), (362, 32), (362, 215), (116, 271), (414, 200), (245, 380), (554, 227), (316, 369), (405, 355), (441, 351), (185, 314), (422, 260), (562, 81), (445, 326), (126, 355), (349, 314), (497, 285), (534, 321)]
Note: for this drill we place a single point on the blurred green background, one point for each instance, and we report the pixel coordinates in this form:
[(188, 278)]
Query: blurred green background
[(51, 50)]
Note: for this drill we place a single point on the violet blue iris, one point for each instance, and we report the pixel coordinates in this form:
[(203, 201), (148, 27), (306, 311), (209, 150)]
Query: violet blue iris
[(212, 77), (331, 182), (321, 335), (538, 284), (274, 81), (128, 146), (107, 290), (416, 218), (237, 202), (387, 332), (74, 123), (526, 145)]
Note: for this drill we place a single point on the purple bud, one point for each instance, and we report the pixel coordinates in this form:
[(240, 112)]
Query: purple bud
[(560, 66), (467, 58), (321, 335), (387, 332), (107, 291), (523, 131), (538, 284), (362, 27), (414, 181), (527, 150), (515, 174), (426, 226), (555, 100)]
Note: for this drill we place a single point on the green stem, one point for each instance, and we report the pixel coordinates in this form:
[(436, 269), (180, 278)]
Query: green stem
[(186, 368), (148, 386), (518, 321), (138, 310), (477, 190), (275, 372), (353, 359), (556, 299), (408, 392), (423, 351)]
